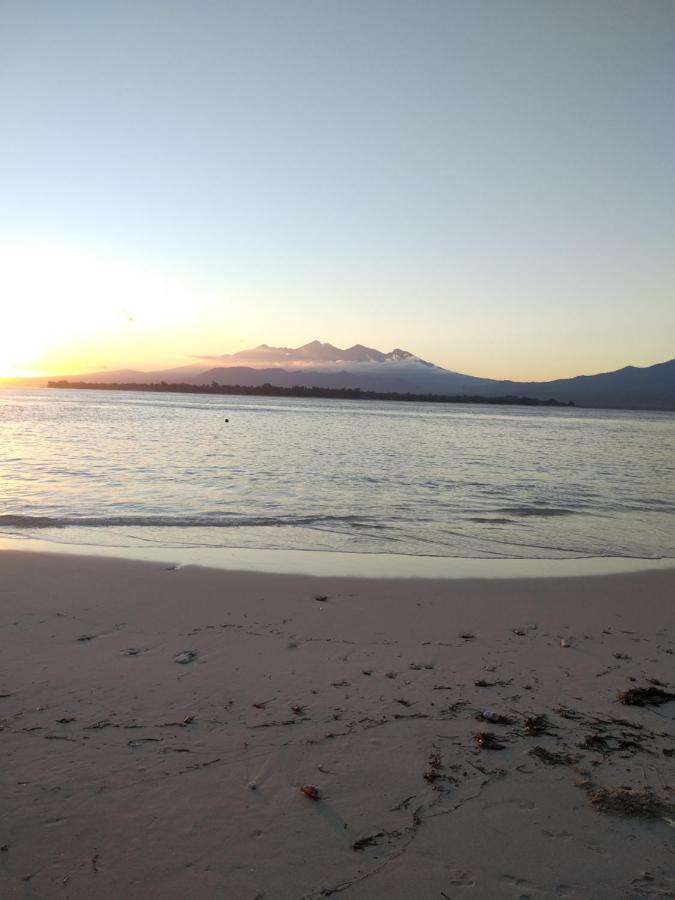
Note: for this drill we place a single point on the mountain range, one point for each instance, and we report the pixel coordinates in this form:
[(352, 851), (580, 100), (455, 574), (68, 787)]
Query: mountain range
[(319, 364)]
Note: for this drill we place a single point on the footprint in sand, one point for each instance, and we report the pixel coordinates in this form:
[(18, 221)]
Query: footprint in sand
[(559, 835), (526, 889), (461, 879), (650, 884)]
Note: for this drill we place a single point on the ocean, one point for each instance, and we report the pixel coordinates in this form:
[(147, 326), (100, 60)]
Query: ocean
[(132, 470)]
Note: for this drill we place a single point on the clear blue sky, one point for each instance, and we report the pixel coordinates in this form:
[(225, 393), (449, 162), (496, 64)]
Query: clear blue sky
[(488, 184)]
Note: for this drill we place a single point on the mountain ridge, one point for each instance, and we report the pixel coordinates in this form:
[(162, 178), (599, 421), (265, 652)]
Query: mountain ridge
[(315, 352), (324, 365)]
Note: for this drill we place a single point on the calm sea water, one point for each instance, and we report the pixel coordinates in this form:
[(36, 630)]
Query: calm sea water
[(133, 469)]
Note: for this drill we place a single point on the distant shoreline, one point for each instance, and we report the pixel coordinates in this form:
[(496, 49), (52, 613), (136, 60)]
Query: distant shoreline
[(269, 390)]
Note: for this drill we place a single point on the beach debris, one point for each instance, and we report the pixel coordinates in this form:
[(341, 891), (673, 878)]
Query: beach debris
[(519, 631), (491, 715), (403, 804), (203, 765), (66, 720), (565, 642), (536, 725), (278, 723), (188, 720), (4, 848), (185, 657), (297, 709), (321, 598), (468, 636), (567, 713), (627, 801), (435, 769), (102, 723), (487, 740), (609, 743), (454, 708), (366, 671), (416, 715), (390, 674), (621, 656), (131, 651), (85, 637), (418, 666), (500, 682), (403, 702), (262, 704), (311, 791), (646, 696), (368, 841), (252, 786), (551, 758)]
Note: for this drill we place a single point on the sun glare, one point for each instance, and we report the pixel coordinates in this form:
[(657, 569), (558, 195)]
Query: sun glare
[(65, 310)]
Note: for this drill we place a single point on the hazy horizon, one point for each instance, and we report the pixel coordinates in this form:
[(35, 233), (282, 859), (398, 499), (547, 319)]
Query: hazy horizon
[(204, 363), (491, 186)]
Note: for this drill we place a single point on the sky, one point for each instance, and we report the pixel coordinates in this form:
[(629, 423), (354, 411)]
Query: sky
[(489, 184)]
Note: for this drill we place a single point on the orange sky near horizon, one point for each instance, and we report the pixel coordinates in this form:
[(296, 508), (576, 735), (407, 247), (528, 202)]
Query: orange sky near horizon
[(72, 312)]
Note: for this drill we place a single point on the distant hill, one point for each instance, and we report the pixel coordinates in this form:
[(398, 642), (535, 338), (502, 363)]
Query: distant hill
[(323, 365), (313, 354), (652, 387)]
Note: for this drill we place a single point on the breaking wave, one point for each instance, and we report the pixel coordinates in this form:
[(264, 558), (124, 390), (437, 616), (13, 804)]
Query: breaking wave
[(19, 521)]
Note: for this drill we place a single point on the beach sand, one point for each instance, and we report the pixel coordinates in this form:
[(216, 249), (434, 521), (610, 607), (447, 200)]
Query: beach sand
[(128, 774)]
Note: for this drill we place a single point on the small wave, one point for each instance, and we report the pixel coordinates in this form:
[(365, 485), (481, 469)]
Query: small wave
[(485, 520), (19, 521), (543, 511)]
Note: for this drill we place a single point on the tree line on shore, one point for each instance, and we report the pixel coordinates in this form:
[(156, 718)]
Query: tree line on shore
[(270, 390)]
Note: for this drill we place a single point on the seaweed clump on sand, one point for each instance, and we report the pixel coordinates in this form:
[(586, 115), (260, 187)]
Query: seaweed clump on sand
[(627, 801), (551, 758), (645, 696)]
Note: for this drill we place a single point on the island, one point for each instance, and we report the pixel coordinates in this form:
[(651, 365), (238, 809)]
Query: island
[(270, 390)]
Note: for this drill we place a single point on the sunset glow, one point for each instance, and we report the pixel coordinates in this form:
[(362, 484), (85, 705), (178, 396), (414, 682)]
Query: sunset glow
[(430, 181)]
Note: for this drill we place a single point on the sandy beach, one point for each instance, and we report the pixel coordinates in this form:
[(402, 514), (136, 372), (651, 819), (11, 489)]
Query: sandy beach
[(466, 738)]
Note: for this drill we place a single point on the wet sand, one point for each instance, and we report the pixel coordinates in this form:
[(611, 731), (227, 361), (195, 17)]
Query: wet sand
[(158, 725)]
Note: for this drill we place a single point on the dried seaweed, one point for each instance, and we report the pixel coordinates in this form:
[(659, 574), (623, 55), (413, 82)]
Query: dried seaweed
[(369, 841), (490, 715), (487, 740), (435, 770), (551, 758), (500, 682), (646, 696), (536, 725), (627, 801)]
